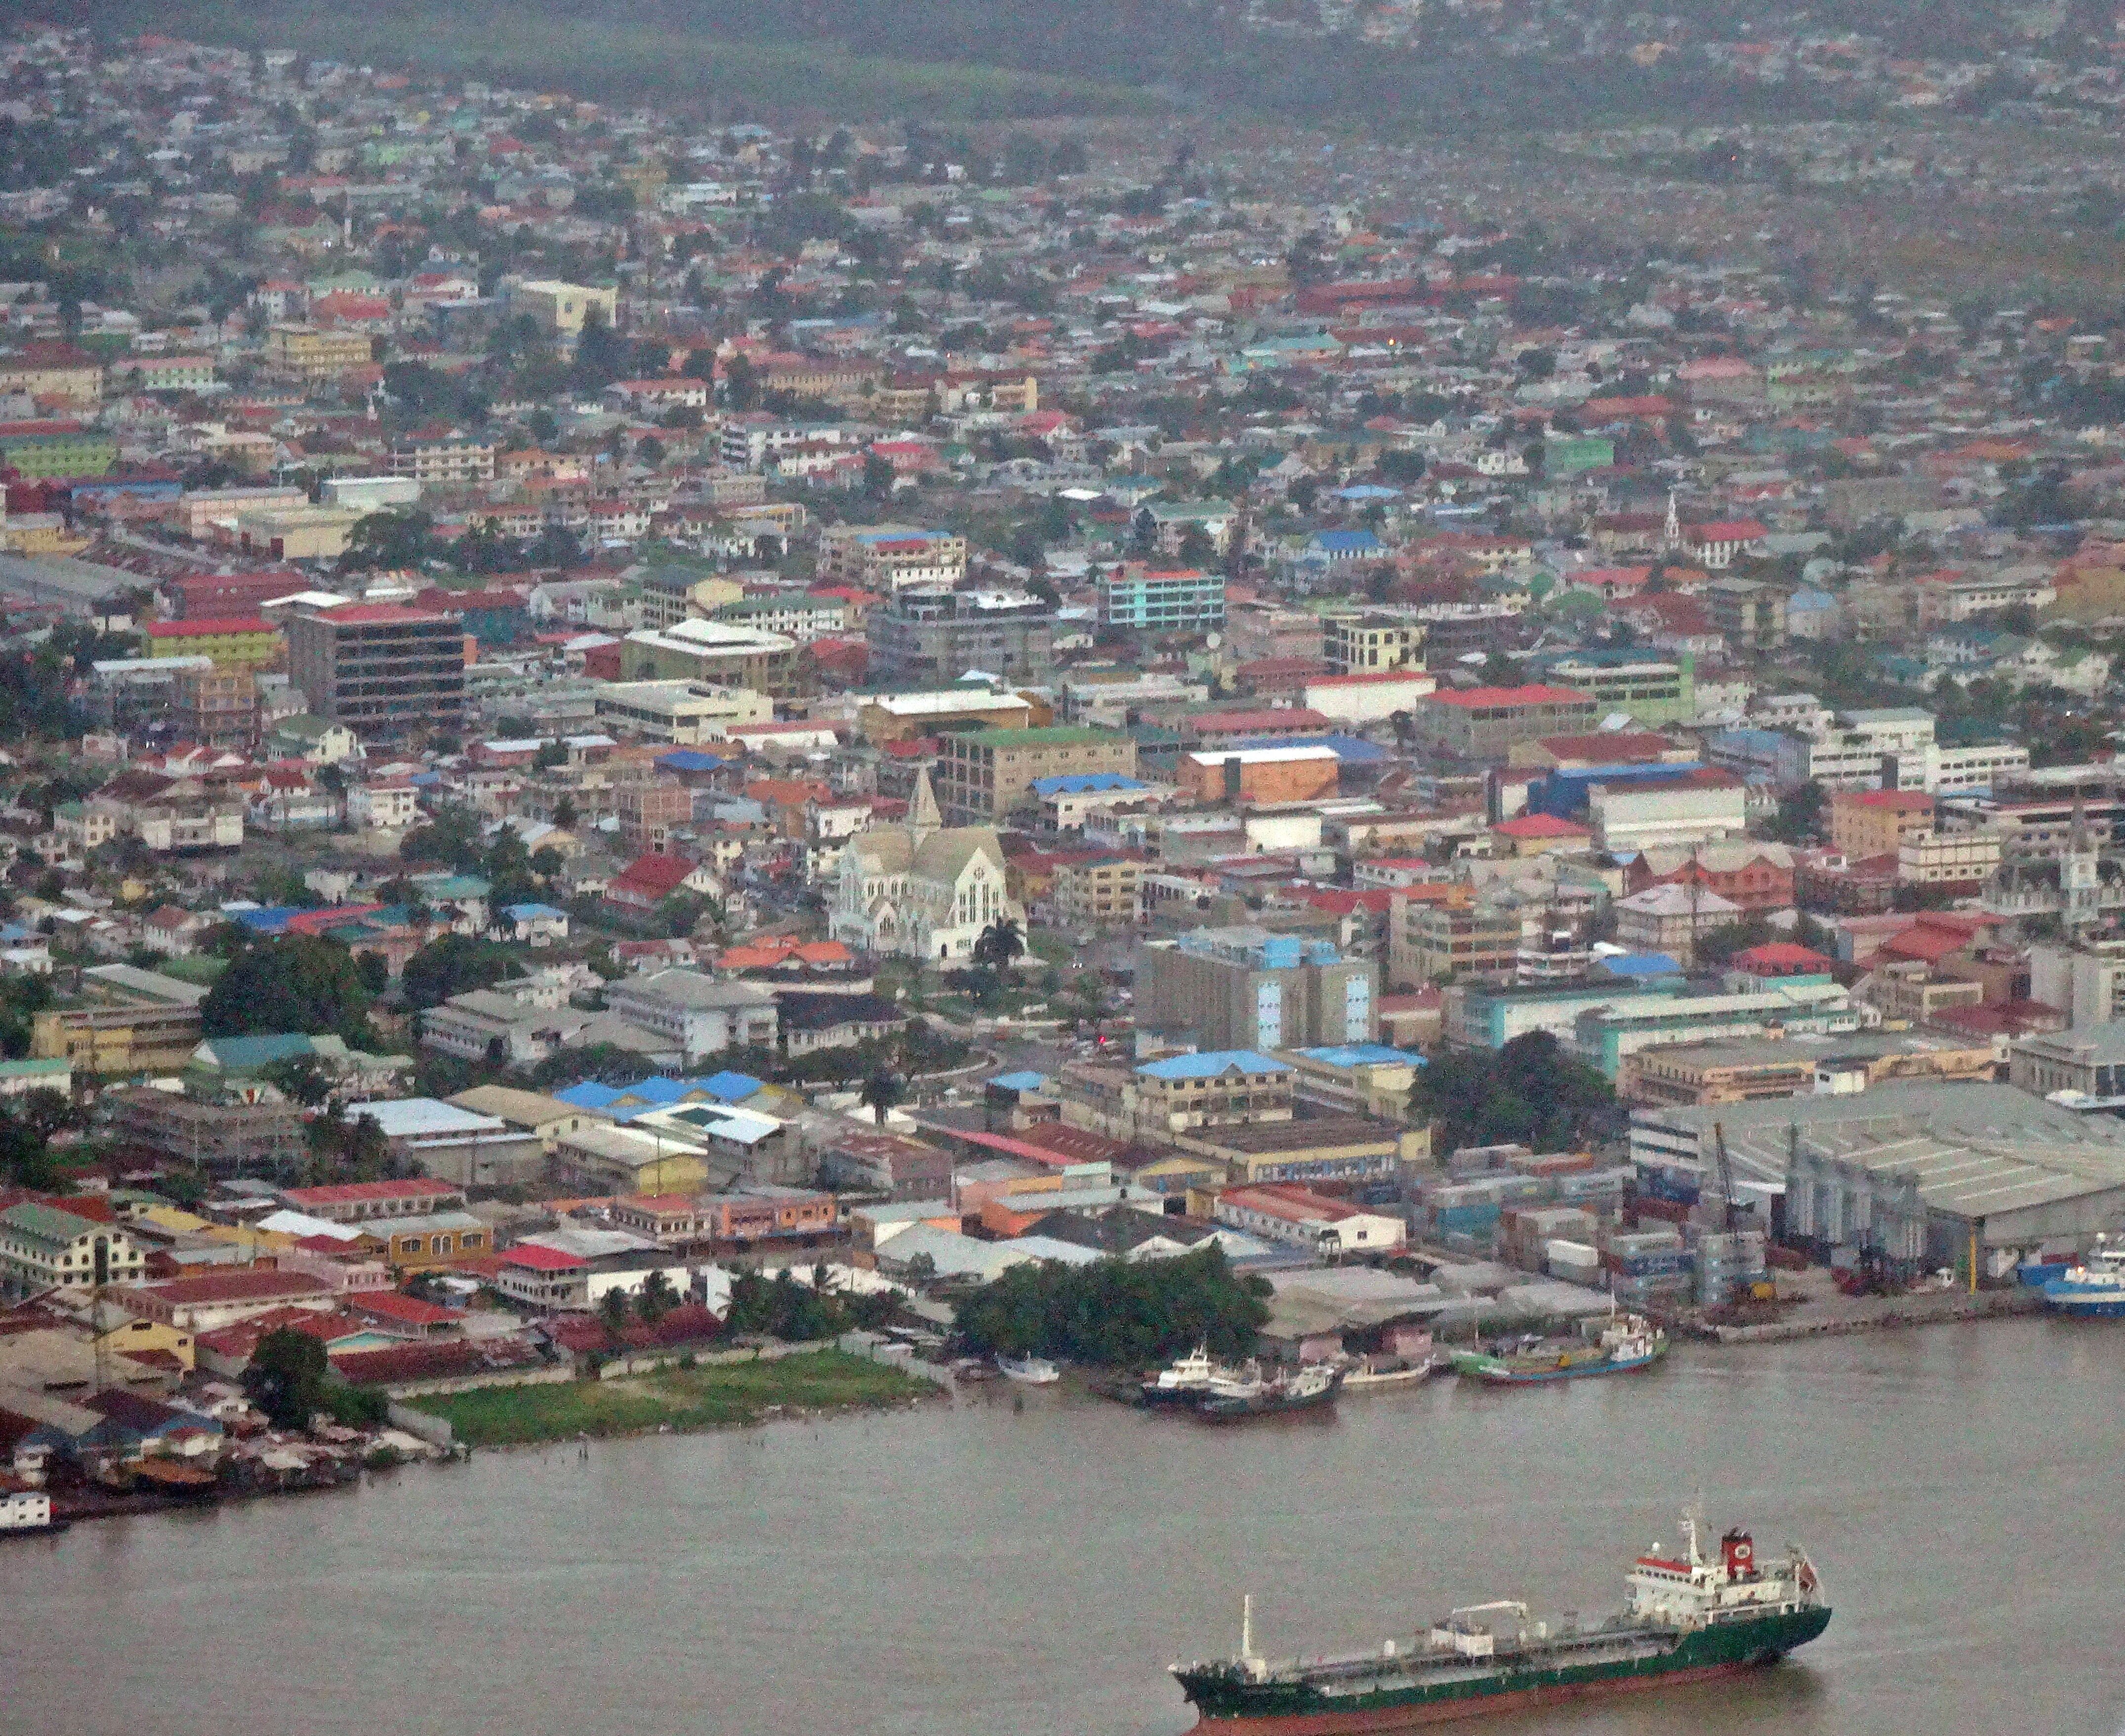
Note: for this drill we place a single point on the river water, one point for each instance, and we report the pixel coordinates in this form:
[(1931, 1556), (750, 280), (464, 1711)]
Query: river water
[(1026, 1564)]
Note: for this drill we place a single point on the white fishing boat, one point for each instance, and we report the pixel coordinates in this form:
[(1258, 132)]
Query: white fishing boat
[(1182, 1381), (1029, 1371)]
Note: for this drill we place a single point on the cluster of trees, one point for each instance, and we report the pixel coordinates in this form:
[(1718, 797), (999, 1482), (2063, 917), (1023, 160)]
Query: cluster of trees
[(289, 982), (28, 1125), (289, 1379), (1119, 1313), (1530, 1092), (782, 1308)]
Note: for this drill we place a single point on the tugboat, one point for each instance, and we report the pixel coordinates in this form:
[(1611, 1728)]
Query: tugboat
[(2095, 1287), (1690, 1618), (1182, 1381), (1627, 1342), (1313, 1387)]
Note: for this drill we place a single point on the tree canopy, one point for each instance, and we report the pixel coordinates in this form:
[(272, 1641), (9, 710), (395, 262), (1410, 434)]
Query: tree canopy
[(1119, 1313), (1530, 1092), (452, 964), (291, 982)]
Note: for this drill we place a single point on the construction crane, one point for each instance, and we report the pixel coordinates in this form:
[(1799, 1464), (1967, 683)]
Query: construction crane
[(1723, 1174)]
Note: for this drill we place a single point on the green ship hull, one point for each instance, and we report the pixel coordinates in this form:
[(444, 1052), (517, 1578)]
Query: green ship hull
[(1383, 1693)]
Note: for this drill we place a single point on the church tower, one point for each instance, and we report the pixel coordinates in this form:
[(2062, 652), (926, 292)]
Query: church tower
[(923, 818), (2079, 876)]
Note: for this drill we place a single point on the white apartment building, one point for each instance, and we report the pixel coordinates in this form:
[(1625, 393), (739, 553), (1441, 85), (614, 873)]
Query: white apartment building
[(1700, 809)]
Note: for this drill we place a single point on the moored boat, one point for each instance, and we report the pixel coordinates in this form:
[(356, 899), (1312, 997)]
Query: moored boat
[(1184, 1380), (28, 1513), (1627, 1342), (1029, 1371), (1690, 1618), (2095, 1287), (1311, 1388)]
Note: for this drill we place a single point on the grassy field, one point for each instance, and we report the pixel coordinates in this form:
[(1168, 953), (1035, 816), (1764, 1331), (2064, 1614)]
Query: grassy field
[(629, 62), (708, 1397)]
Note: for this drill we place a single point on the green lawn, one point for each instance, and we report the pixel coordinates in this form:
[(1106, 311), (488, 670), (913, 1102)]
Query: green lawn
[(708, 1397)]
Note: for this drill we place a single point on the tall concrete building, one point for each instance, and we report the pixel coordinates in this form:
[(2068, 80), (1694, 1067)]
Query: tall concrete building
[(939, 636), (381, 670), (983, 773), (1247, 988)]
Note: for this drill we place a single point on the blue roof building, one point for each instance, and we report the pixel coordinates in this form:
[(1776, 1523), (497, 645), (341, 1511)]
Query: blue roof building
[(1213, 1065)]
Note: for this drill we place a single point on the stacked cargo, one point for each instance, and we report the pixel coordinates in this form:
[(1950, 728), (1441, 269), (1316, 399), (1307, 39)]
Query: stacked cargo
[(1470, 1208), (1600, 1191), (1526, 1231), (1730, 1266), (1576, 1263), (1648, 1268)]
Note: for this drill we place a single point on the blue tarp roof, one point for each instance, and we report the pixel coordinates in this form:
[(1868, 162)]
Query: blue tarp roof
[(1022, 1081), (690, 759), (1640, 964), (733, 1088), (1077, 783), (589, 1094), (1213, 1062), (274, 920), (1363, 1054)]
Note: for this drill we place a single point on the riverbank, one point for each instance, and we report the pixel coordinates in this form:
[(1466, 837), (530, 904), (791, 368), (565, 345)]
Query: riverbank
[(717, 1395)]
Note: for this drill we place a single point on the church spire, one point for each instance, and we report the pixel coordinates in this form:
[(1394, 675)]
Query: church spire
[(922, 816)]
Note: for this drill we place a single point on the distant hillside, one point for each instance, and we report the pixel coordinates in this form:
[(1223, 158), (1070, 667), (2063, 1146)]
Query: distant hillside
[(977, 60)]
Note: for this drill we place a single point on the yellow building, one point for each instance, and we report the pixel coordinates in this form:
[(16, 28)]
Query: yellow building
[(562, 308), (117, 1039), (305, 353), (233, 644), (604, 1159), (1875, 822), (297, 533), (433, 1239), (149, 1340)]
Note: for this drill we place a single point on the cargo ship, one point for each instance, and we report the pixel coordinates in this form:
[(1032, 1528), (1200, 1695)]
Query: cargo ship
[(1627, 1342), (1690, 1618)]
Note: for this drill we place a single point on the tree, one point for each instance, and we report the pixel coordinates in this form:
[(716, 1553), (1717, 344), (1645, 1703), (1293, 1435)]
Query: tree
[(286, 1377), (656, 1298), (301, 1078), (291, 982), (452, 964), (880, 1092), (1799, 815), (389, 538), (999, 944), (613, 1310), (1530, 1091)]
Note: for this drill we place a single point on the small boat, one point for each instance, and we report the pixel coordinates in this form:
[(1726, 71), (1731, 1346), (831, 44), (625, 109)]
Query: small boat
[(1313, 1387), (2094, 1288), (1182, 1381), (1029, 1371), (1379, 1374), (28, 1513), (1627, 1342)]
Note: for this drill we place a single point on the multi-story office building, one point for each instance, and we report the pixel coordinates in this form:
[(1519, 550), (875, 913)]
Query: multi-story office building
[(1247, 987), (444, 459), (1371, 643), (1162, 600), (305, 353), (939, 635), (378, 668), (984, 774), (216, 708), (1651, 690), (721, 653), (1484, 722), (1428, 941), (890, 557)]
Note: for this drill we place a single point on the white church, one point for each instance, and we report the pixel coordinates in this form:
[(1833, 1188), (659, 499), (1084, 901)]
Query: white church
[(922, 890)]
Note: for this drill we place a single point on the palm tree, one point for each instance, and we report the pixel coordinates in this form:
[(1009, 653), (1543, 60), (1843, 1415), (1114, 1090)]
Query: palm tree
[(880, 1092), (999, 944), (657, 1297)]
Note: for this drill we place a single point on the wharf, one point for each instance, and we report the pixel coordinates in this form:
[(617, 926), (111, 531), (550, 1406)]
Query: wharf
[(1884, 1313)]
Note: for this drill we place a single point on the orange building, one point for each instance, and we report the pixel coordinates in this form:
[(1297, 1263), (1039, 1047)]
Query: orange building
[(1259, 775), (1874, 822)]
